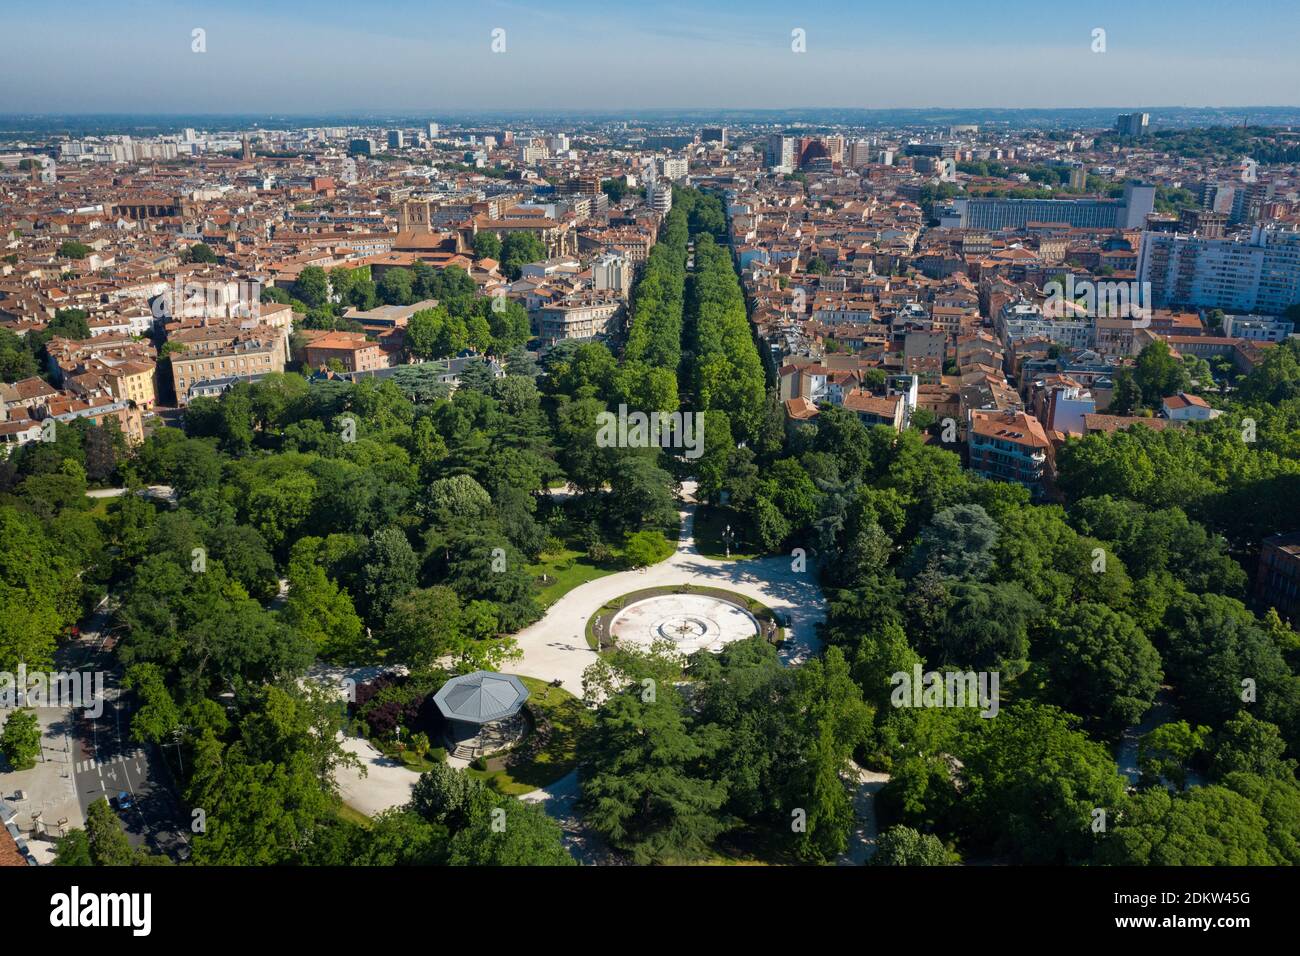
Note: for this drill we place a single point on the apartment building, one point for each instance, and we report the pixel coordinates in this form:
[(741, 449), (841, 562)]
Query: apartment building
[(578, 317), (1254, 273), (612, 273), (871, 409), (1022, 320), (133, 382), (1009, 446), (246, 356), (923, 355)]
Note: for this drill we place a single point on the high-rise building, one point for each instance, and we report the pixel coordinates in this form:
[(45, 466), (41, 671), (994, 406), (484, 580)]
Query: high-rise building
[(835, 148), (396, 139), (1132, 124), (782, 152), (674, 168), (433, 131), (859, 152), (1078, 177), (1259, 273), (714, 134), (660, 196), (613, 273), (1204, 222)]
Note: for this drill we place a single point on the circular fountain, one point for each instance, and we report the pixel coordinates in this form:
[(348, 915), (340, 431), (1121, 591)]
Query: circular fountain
[(692, 622)]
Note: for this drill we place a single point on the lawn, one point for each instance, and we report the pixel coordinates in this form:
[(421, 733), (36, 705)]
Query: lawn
[(409, 758), (569, 567), (711, 522), (565, 570), (550, 751), (352, 815)]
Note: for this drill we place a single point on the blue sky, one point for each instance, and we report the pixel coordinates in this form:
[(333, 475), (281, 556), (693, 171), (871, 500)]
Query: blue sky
[(328, 56)]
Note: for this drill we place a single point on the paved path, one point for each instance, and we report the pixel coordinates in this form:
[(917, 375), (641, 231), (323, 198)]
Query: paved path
[(862, 841), (556, 646), (1126, 757), (385, 784), (558, 801), (161, 492)]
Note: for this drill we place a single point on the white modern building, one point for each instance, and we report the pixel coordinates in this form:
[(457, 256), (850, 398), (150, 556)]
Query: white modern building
[(1254, 273)]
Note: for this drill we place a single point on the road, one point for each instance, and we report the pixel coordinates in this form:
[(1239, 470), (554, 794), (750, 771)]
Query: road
[(158, 492), (107, 762)]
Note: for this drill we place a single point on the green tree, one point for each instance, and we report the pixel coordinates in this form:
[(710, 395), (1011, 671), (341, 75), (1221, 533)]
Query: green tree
[(1247, 745), (312, 287), (650, 789), (1033, 784), (1204, 826), (1102, 667), (1158, 374), (157, 718), (903, 846), (390, 571), (318, 608), (73, 849), (108, 843), (200, 252), (20, 740), (1167, 752), (510, 834), (450, 797), (644, 548), (487, 246), (519, 249)]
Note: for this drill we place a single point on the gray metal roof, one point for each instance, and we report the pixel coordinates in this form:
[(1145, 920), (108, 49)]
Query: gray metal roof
[(481, 697)]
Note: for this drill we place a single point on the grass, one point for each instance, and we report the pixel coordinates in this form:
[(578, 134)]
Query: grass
[(565, 570), (710, 523), (550, 751), (99, 508), (408, 758), (352, 815), (570, 567)]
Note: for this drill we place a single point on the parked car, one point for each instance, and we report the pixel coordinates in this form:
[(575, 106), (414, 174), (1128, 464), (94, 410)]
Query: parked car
[(123, 801)]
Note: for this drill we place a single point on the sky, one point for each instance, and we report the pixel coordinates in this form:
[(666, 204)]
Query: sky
[(326, 56)]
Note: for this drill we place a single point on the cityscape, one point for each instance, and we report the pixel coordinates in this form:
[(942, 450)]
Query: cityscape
[(553, 476)]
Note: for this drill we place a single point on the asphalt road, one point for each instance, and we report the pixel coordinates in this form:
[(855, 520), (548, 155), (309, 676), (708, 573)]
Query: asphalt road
[(108, 762)]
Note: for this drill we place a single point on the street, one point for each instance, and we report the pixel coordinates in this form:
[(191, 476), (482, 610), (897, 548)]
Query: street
[(106, 761)]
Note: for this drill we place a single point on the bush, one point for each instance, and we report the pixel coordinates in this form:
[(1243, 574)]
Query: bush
[(644, 548)]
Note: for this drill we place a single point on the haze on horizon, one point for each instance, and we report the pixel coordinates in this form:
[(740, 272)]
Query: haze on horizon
[(331, 57)]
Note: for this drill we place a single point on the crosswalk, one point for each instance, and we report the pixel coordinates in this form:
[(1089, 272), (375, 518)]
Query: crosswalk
[(85, 765)]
